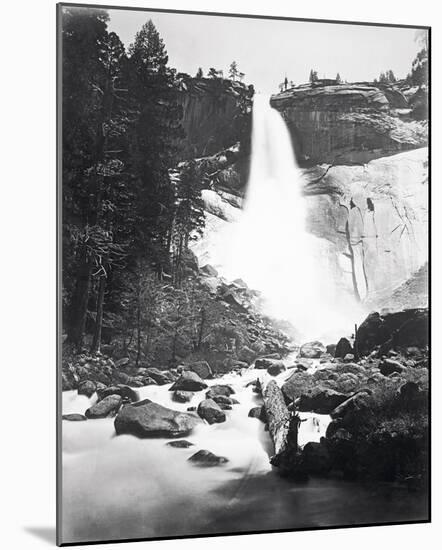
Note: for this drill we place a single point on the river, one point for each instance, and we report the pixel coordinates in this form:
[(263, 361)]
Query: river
[(120, 487)]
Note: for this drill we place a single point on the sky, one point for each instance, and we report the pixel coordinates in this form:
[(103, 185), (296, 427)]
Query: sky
[(268, 50)]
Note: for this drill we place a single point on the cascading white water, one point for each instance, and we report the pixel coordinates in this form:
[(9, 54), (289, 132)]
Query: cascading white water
[(271, 248)]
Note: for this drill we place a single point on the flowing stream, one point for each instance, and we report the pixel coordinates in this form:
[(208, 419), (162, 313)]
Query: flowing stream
[(117, 487)]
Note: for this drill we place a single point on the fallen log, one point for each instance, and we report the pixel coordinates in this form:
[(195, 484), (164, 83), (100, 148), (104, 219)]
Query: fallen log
[(283, 427)]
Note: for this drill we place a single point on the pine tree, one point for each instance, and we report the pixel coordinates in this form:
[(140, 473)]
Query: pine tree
[(233, 71), (338, 79), (199, 73), (313, 77)]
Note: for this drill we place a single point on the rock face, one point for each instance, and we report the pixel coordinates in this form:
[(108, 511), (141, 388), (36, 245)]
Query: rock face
[(372, 222), (148, 419), (347, 123), (212, 112)]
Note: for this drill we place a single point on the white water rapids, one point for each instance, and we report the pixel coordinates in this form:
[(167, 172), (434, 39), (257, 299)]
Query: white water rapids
[(123, 487)]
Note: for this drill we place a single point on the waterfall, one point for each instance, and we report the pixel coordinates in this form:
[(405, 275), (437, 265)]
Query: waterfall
[(270, 247)]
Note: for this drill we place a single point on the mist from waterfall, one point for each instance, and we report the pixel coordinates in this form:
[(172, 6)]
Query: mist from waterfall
[(271, 248)]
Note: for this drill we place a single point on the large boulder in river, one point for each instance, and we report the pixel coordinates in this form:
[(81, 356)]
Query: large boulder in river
[(87, 388), (320, 400), (119, 389), (161, 377), (276, 368), (202, 369), (189, 381), (210, 410), (105, 408), (207, 459), (312, 350), (148, 419), (263, 363), (219, 389), (181, 396)]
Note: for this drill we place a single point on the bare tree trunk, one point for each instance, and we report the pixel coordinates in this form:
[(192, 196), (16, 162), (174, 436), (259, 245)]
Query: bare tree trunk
[(79, 304), (96, 342)]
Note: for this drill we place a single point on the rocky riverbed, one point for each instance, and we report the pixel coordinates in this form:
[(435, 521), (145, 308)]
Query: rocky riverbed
[(135, 455)]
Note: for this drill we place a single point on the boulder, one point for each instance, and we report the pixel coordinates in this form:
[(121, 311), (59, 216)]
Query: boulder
[(263, 363), (331, 349), (209, 271), (105, 408), (161, 377), (402, 328), (219, 389), (180, 444), (120, 389), (320, 400), (354, 403), (189, 381), (121, 362), (258, 412), (222, 400), (343, 348), (316, 458), (202, 369), (312, 350), (210, 410), (207, 459), (148, 419), (246, 354), (181, 396), (74, 417), (276, 368), (87, 388), (389, 366)]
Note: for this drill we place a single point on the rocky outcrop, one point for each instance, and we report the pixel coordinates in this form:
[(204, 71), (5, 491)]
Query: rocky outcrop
[(348, 123), (215, 111)]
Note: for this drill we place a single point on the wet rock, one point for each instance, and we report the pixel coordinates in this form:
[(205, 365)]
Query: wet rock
[(258, 412), (207, 459), (222, 400), (105, 408), (189, 381), (74, 417), (119, 389), (276, 368), (86, 388), (210, 411), (390, 366), (161, 377), (312, 350), (263, 363), (320, 400), (148, 419), (349, 358), (219, 389), (343, 348), (202, 369), (181, 396), (180, 444)]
